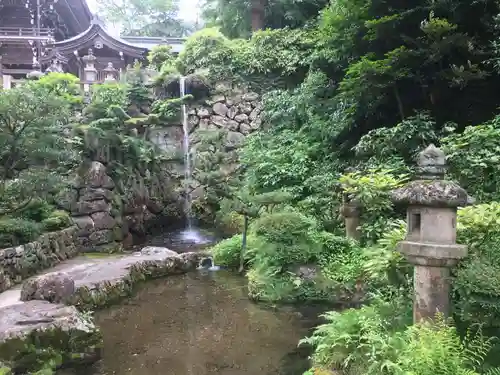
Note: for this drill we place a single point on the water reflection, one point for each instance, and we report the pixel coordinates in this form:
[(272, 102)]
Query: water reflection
[(197, 324)]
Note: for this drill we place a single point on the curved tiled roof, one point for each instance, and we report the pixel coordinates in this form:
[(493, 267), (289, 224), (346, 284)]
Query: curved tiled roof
[(96, 31)]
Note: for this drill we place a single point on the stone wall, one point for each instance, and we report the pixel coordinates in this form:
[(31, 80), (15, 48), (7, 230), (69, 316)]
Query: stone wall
[(98, 224), (20, 262), (235, 111)]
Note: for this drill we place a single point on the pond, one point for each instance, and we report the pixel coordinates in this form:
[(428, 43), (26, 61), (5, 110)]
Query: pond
[(201, 323)]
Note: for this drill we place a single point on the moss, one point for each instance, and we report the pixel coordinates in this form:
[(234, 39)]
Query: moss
[(49, 349), (57, 220)]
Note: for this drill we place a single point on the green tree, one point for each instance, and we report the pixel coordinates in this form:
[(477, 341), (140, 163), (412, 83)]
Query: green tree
[(145, 17), (35, 155), (239, 18)]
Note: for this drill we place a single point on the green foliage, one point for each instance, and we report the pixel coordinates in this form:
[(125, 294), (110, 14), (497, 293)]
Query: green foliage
[(63, 85), (287, 239), (399, 144), (371, 191), (384, 265), (14, 232), (57, 220), (35, 155), (475, 283), (227, 252), (234, 16), (275, 54), (157, 18), (473, 157), (341, 259), (377, 340), (37, 210), (160, 56)]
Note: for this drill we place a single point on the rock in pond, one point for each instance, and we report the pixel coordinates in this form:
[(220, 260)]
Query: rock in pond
[(54, 287), (156, 250), (63, 330)]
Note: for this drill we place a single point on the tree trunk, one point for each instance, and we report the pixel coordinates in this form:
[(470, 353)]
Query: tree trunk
[(258, 12), (243, 244)]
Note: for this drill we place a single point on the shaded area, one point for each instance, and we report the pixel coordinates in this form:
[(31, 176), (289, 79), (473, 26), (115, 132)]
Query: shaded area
[(201, 323)]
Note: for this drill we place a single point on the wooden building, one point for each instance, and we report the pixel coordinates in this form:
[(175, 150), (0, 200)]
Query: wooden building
[(62, 35)]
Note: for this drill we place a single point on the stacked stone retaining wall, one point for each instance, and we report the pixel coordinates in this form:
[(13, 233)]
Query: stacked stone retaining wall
[(20, 262)]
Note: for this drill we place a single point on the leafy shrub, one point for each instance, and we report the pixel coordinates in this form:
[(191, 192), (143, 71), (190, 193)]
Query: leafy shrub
[(57, 220), (230, 222), (37, 210), (379, 340), (476, 283), (383, 265), (355, 339), (341, 259), (160, 56), (227, 252), (14, 231), (288, 238), (371, 190)]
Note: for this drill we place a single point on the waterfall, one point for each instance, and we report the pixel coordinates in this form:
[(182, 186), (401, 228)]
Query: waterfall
[(187, 158), (190, 233)]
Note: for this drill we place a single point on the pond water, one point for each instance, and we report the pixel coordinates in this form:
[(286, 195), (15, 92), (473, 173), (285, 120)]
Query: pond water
[(201, 323)]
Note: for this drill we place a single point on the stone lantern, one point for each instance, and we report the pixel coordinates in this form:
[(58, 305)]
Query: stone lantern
[(430, 243), (111, 73), (89, 71), (351, 212)]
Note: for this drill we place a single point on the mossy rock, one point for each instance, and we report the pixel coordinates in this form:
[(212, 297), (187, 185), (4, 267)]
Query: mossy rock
[(42, 336)]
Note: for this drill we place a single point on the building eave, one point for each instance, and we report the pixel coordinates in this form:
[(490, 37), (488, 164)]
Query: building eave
[(96, 31)]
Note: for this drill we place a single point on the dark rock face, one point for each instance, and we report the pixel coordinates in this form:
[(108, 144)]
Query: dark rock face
[(56, 288)]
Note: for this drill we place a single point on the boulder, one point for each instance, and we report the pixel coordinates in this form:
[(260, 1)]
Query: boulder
[(85, 225), (234, 139), (220, 109), (250, 96), (204, 112), (95, 194), (103, 220), (233, 125), (241, 117), (52, 287), (155, 250), (245, 107), (83, 208), (245, 129), (232, 112), (220, 121), (254, 114), (101, 237)]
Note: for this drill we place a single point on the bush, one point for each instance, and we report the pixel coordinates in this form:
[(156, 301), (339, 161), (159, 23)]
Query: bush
[(288, 238), (341, 259), (57, 220), (354, 339), (379, 340), (14, 231), (476, 283), (227, 252), (37, 210)]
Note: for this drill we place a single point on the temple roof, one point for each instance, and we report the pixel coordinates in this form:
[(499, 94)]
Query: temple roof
[(96, 32), (149, 42), (76, 14)]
